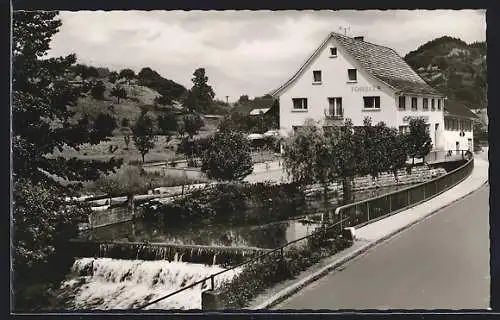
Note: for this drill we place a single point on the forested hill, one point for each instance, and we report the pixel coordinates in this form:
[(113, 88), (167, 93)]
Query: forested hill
[(454, 67)]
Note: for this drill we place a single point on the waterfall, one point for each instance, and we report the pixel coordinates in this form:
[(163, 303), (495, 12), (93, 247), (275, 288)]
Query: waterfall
[(105, 283), (165, 251)]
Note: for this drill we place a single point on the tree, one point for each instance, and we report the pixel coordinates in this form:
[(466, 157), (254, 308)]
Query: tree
[(201, 95), (312, 155), (244, 98), (167, 123), (128, 74), (105, 123), (376, 148), (419, 141), (309, 155), (125, 122), (144, 135), (192, 124), (119, 92), (98, 90), (397, 145), (43, 120), (126, 139), (113, 76), (227, 156)]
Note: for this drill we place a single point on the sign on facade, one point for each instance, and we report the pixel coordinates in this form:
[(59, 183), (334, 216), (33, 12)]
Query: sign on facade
[(365, 89), (408, 118)]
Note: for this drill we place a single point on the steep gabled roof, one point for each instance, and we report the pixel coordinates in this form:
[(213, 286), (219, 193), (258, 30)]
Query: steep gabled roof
[(455, 108), (381, 62)]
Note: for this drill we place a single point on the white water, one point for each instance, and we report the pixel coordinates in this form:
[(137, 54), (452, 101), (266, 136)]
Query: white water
[(127, 284)]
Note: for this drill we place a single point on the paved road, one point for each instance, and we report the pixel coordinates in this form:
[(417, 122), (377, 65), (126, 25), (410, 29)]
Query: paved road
[(440, 263)]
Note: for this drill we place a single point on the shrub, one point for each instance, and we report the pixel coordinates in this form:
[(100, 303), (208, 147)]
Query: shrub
[(272, 269), (233, 203)]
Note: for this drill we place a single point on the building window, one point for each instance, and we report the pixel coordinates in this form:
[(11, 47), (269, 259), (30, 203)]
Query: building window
[(439, 104), (299, 103), (317, 75), (402, 102), (425, 104), (446, 124), (335, 107), (433, 106), (468, 125), (404, 129), (333, 52), (428, 128), (371, 102), (414, 103), (352, 74)]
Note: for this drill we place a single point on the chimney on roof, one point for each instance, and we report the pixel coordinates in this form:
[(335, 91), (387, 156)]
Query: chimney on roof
[(360, 38)]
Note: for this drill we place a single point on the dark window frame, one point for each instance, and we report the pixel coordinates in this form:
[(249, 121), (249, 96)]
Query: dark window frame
[(350, 72), (402, 99), (425, 103), (414, 106), (315, 73), (375, 105), (303, 103), (335, 107)]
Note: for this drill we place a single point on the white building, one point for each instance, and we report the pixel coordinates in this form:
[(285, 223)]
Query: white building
[(351, 78)]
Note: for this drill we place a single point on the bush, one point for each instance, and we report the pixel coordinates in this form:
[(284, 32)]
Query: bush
[(269, 270), (233, 203)]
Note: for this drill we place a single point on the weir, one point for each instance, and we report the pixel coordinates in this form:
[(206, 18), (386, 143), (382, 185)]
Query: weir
[(210, 255), (105, 283)]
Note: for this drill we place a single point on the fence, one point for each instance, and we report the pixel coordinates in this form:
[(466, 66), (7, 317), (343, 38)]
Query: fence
[(447, 155), (359, 213), (362, 212), (324, 230)]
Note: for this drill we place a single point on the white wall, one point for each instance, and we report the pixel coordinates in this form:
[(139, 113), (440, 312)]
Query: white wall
[(335, 84), (453, 136), (434, 117)]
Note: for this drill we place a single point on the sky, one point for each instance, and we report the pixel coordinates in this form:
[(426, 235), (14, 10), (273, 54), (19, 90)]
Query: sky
[(244, 52)]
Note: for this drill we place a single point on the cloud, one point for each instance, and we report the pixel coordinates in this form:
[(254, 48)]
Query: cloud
[(244, 52)]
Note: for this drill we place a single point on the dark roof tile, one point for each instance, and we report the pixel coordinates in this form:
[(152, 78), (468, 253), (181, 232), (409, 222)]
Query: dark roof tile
[(386, 65), (381, 62), (456, 108)]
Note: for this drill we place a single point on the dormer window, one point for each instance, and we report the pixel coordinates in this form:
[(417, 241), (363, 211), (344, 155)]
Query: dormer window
[(352, 75), (333, 52), (317, 76)]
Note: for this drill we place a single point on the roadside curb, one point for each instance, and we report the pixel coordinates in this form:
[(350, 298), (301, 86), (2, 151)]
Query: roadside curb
[(294, 288)]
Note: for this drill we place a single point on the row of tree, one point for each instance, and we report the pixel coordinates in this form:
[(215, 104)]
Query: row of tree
[(326, 155), (146, 129)]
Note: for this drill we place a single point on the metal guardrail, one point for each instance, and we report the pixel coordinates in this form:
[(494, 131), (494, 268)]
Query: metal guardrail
[(279, 250), (368, 210), (446, 155), (359, 213)]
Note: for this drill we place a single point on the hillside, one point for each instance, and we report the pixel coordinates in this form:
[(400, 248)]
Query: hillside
[(455, 68)]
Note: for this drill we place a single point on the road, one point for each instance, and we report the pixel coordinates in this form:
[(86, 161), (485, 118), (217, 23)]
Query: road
[(440, 263)]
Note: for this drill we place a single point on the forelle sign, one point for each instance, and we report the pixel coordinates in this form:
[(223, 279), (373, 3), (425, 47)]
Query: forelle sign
[(408, 118)]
